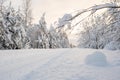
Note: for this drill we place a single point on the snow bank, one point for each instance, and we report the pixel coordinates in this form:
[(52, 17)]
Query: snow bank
[(97, 59)]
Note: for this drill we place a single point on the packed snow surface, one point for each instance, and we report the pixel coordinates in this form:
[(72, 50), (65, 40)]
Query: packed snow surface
[(59, 64)]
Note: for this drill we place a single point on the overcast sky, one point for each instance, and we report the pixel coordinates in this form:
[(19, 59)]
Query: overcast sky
[(56, 8)]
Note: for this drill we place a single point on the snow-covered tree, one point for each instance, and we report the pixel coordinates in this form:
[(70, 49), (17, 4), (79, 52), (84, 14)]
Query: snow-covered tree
[(12, 32), (39, 34), (92, 35), (99, 30), (53, 38), (113, 23), (2, 5), (44, 33), (27, 12), (41, 37), (58, 39)]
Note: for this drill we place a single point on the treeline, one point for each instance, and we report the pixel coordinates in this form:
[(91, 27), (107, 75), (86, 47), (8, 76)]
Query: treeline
[(17, 32)]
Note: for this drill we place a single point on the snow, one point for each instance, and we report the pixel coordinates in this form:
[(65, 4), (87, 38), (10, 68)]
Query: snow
[(97, 59), (58, 64), (64, 20)]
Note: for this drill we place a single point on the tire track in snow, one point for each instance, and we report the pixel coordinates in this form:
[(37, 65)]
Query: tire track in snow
[(30, 66), (46, 64)]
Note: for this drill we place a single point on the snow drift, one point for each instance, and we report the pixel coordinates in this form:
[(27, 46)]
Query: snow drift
[(97, 59)]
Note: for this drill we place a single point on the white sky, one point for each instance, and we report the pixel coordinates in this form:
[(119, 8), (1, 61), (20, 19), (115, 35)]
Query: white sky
[(56, 8)]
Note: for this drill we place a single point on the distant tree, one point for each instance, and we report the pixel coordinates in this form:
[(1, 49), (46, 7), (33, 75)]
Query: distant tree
[(58, 38), (39, 34), (27, 11), (41, 37), (44, 33), (1, 5), (1, 2)]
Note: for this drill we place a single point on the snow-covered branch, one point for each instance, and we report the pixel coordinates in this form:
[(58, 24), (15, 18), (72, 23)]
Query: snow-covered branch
[(93, 9)]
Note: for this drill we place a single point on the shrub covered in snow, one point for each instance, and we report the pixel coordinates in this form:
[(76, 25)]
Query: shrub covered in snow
[(96, 59)]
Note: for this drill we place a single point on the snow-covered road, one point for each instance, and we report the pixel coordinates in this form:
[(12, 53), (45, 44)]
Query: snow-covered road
[(58, 64)]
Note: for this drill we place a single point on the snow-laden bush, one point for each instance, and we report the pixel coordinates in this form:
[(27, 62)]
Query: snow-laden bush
[(96, 59)]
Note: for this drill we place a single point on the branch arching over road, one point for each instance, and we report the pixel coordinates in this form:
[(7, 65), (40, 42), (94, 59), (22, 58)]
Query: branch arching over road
[(93, 9)]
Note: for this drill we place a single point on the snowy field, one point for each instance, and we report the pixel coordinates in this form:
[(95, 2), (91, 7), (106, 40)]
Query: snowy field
[(60, 64)]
